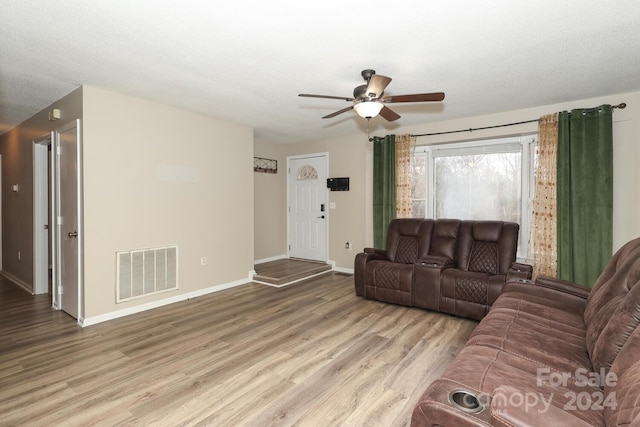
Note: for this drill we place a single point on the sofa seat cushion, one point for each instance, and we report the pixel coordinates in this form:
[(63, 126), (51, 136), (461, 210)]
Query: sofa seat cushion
[(468, 293), (548, 314), (465, 286), (559, 351), (532, 326)]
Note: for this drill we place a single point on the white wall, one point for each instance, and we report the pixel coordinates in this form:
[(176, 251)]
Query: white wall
[(270, 200), (129, 205)]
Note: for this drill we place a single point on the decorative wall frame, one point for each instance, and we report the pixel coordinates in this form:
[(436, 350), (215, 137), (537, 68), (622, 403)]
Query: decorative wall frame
[(265, 165)]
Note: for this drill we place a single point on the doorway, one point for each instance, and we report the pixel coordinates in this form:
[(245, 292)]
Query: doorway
[(58, 218), (42, 179), (0, 212), (307, 206)]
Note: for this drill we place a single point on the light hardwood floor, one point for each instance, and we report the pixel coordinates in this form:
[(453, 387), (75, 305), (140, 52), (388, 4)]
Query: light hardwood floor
[(309, 354)]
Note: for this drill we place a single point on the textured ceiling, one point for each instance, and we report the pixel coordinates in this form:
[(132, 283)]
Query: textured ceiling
[(246, 61)]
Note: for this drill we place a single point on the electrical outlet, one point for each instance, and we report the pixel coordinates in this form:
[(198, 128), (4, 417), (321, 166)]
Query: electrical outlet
[(203, 260)]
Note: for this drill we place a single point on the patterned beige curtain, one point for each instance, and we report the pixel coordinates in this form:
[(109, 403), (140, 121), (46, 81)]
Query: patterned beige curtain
[(543, 241), (404, 150)]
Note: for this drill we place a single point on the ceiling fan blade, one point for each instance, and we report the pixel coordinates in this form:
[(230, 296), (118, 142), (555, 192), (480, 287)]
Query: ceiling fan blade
[(377, 84), (389, 114), (344, 110), (308, 95), (417, 97)]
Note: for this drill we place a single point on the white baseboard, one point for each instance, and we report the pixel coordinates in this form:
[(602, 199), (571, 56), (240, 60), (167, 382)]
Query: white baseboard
[(155, 304), (339, 269), (273, 258), (24, 285), (343, 270)]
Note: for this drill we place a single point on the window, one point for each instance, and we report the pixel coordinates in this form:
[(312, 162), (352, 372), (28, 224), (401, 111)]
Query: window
[(481, 180)]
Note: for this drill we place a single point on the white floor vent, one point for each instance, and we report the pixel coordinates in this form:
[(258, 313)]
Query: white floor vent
[(146, 272)]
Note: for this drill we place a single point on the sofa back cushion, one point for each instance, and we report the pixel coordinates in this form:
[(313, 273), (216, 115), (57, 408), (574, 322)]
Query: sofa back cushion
[(487, 246), (444, 238), (483, 257), (612, 311), (622, 385), (407, 239)]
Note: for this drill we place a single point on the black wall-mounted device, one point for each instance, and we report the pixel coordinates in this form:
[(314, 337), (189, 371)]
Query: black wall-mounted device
[(338, 184)]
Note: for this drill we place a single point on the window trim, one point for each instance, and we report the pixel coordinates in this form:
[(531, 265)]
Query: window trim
[(526, 144)]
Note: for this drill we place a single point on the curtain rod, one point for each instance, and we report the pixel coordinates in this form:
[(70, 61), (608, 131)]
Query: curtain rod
[(621, 106)]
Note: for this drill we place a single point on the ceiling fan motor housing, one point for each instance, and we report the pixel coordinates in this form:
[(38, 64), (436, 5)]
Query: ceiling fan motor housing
[(366, 74), (360, 92)]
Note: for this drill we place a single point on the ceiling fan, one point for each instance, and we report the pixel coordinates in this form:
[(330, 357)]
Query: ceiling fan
[(368, 100)]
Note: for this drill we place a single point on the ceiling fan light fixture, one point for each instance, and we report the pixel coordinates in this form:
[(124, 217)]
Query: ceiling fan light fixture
[(368, 109)]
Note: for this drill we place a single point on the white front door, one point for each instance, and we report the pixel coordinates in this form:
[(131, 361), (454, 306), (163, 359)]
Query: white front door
[(68, 233), (308, 208)]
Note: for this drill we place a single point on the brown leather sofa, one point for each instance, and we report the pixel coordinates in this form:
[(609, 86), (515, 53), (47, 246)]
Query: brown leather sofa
[(448, 265), (549, 353)]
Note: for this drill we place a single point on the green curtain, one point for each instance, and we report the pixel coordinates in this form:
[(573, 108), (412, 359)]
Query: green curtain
[(384, 187), (584, 193)]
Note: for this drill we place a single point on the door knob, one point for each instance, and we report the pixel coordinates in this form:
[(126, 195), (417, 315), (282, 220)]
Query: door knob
[(321, 217), (73, 234)]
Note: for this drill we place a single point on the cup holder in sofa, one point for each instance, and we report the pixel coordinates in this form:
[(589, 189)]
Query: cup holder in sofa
[(465, 401)]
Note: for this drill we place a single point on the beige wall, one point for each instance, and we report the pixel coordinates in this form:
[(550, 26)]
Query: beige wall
[(16, 148), (129, 205), (352, 156), (270, 201)]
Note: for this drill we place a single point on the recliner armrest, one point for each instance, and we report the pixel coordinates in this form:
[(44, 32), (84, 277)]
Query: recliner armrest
[(519, 270), (374, 251), (360, 266), (426, 280), (434, 261), (563, 285)]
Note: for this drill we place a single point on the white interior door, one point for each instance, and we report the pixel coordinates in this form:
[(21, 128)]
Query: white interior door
[(68, 232), (307, 182)]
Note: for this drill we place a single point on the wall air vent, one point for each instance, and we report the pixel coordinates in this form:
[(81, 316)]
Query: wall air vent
[(146, 272)]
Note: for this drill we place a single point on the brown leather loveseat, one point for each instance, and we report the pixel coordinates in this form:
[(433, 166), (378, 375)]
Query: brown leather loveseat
[(549, 353), (448, 265)]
